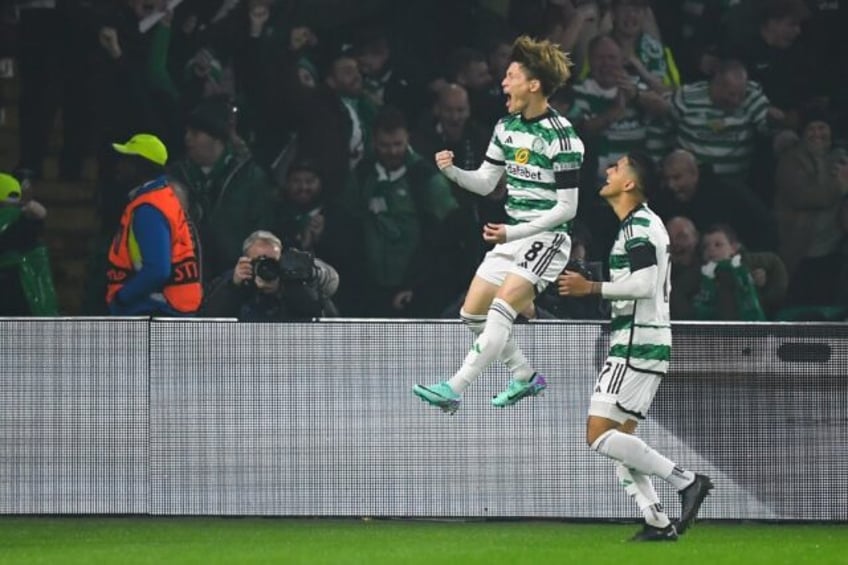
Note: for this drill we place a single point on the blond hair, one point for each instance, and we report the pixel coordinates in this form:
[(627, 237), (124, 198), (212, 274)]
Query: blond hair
[(543, 61)]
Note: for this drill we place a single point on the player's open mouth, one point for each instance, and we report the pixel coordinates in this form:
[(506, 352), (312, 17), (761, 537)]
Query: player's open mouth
[(508, 100)]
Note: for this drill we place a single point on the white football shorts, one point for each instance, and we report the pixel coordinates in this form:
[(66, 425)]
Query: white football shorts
[(622, 393), (539, 259)]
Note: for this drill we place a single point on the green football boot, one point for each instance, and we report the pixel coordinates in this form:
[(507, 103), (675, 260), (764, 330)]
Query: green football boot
[(440, 395), (516, 390)]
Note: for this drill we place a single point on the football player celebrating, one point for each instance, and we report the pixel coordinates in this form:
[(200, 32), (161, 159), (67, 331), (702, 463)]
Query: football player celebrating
[(640, 349), (541, 155)]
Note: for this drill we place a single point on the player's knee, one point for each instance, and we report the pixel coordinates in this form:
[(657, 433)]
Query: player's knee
[(474, 322), (597, 439), (502, 307)]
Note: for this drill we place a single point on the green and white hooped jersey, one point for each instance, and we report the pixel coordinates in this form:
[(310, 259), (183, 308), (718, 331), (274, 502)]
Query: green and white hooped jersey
[(625, 134), (723, 139), (640, 329), (540, 156)]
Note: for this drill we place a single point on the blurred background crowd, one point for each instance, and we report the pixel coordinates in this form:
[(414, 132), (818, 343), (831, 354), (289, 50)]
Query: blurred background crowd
[(300, 135)]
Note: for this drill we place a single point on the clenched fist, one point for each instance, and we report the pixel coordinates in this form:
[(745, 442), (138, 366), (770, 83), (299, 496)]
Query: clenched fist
[(444, 159)]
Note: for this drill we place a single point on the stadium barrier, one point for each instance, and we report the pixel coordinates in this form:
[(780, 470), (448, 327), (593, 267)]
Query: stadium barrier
[(210, 417)]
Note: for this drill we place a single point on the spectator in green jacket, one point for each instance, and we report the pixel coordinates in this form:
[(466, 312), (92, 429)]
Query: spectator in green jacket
[(398, 201), (345, 80), (229, 196)]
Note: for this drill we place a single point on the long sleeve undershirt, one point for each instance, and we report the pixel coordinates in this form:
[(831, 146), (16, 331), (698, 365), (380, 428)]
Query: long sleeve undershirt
[(638, 284), (483, 181), (563, 211)]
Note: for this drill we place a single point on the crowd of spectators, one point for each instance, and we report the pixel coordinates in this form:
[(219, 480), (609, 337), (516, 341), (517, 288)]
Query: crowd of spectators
[(313, 123)]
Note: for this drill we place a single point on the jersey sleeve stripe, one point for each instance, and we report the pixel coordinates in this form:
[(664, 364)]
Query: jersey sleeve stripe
[(636, 241), (562, 133)]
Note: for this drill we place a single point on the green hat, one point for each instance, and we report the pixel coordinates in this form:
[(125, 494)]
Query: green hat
[(10, 188), (146, 146)]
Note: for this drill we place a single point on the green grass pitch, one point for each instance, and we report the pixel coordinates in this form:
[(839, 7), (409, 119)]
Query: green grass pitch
[(85, 540)]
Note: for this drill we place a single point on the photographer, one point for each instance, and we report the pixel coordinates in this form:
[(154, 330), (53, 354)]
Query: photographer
[(269, 284)]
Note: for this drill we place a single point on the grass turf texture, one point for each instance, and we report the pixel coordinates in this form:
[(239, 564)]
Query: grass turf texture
[(85, 540)]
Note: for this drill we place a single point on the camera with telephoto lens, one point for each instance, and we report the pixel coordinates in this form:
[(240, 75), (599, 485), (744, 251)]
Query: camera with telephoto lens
[(293, 266), (297, 266)]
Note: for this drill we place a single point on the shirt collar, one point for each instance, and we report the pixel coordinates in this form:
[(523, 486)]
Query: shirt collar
[(158, 182)]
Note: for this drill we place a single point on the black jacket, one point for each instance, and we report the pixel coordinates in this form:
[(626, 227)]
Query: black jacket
[(294, 301)]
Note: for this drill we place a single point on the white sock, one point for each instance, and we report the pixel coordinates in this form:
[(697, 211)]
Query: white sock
[(487, 346), (511, 355), (638, 455), (640, 488), (680, 478)]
